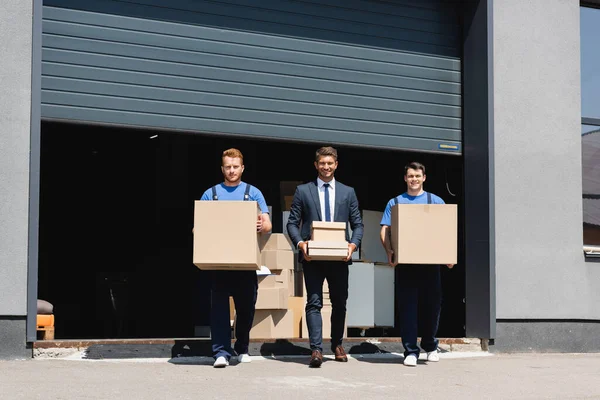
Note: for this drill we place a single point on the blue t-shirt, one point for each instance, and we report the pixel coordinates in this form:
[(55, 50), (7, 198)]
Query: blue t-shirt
[(237, 193), (405, 198)]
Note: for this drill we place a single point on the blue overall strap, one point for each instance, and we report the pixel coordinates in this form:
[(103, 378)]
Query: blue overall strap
[(396, 200), (247, 192), (214, 193)]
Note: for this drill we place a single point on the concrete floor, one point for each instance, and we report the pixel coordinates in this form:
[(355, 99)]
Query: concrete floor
[(457, 375)]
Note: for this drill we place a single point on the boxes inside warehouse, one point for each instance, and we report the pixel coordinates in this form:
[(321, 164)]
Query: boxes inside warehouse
[(142, 186)]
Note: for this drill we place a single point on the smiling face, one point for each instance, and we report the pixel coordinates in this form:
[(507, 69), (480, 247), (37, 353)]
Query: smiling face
[(232, 169), (414, 179), (326, 166)]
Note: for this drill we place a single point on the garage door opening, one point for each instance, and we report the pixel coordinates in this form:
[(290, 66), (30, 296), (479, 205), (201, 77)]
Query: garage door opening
[(116, 210)]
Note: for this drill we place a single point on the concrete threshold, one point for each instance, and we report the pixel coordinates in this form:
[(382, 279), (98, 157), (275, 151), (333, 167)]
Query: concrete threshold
[(104, 349)]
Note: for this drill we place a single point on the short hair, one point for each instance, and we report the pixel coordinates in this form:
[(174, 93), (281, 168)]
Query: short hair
[(233, 153), (414, 165), (326, 151)]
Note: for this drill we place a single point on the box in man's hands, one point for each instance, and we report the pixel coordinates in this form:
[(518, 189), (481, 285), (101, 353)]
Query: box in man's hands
[(225, 236), (424, 233)]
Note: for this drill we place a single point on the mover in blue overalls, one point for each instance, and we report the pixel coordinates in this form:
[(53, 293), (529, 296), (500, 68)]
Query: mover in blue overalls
[(241, 285), (420, 285)]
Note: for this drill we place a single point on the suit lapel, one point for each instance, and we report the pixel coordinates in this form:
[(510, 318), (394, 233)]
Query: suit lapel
[(339, 196), (314, 193)]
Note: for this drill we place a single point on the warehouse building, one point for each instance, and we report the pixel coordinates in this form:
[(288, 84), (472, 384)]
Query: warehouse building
[(115, 113)]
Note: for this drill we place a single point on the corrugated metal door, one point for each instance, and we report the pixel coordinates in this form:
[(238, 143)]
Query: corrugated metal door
[(372, 73)]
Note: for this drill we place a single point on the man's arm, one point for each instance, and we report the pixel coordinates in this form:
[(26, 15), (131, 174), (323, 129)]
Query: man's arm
[(293, 224), (355, 223), (263, 224), (385, 236)]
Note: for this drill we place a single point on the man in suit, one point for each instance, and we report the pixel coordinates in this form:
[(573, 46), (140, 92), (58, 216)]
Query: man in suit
[(325, 199)]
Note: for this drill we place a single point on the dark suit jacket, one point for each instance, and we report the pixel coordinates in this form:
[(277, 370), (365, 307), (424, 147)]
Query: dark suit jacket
[(306, 208)]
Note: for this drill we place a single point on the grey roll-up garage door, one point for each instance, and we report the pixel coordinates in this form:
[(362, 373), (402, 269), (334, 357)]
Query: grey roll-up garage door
[(370, 73)]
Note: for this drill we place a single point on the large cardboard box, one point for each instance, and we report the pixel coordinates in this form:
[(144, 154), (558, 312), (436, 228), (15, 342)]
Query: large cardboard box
[(327, 251), (276, 241), (273, 324), (225, 235), (278, 279), (278, 259), (328, 231), (425, 233), (273, 299)]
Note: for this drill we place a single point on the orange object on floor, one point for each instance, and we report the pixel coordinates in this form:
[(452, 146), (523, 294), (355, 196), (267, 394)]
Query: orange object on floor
[(45, 324)]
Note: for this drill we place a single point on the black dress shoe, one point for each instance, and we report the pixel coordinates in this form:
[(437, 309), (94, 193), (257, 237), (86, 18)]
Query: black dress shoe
[(316, 359)]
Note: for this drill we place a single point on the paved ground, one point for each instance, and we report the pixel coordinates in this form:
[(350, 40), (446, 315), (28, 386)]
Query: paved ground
[(457, 375)]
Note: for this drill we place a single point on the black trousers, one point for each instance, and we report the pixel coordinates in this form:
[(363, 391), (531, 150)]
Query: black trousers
[(419, 305), (315, 273), (243, 287)]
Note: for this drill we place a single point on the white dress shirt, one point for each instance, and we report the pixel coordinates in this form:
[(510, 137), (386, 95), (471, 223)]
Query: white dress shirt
[(331, 190)]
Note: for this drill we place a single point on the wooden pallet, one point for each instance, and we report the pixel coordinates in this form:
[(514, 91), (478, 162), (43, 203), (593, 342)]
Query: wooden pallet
[(45, 324)]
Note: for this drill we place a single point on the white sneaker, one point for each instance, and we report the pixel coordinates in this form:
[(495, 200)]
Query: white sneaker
[(433, 356), (221, 362), (410, 360), (244, 358)]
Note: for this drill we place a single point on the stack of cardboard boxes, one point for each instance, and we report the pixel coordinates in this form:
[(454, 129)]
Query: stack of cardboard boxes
[(328, 241), (278, 310)]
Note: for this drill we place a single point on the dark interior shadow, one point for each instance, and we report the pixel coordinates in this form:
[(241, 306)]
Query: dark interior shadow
[(191, 348), (285, 351)]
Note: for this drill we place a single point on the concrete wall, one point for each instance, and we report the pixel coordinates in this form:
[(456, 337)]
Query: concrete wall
[(540, 268), (15, 108)]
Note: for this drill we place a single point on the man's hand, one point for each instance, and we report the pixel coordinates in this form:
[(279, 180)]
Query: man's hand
[(390, 255), (259, 224), (304, 247), (450, 266), (351, 249)]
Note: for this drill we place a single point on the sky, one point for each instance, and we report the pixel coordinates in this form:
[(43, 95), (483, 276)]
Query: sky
[(590, 62)]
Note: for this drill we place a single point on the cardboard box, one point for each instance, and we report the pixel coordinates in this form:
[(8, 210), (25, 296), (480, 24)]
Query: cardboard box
[(278, 259), (273, 324), (327, 251), (278, 279), (272, 299), (225, 235), (276, 241), (425, 233), (296, 306), (328, 231)]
